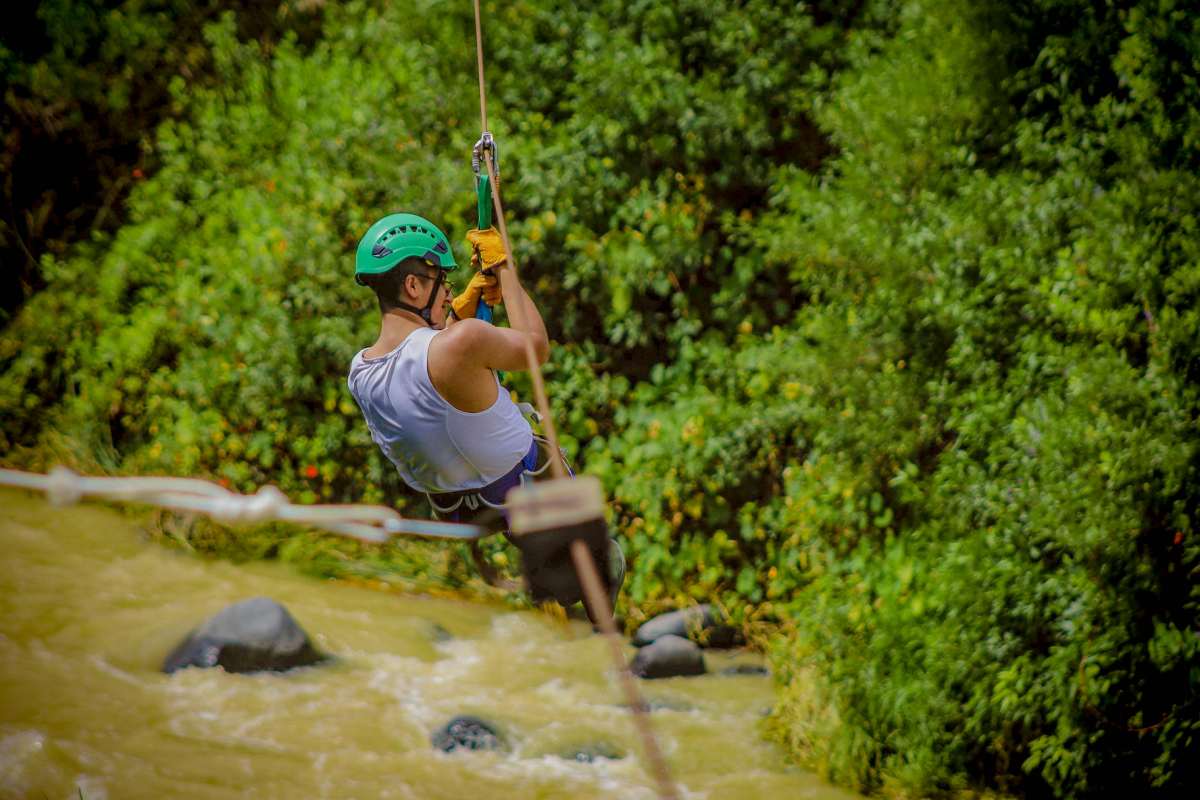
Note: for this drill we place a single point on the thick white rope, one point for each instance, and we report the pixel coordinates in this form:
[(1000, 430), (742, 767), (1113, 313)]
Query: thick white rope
[(368, 523)]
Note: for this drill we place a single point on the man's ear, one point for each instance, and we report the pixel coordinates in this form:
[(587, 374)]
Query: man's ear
[(412, 284)]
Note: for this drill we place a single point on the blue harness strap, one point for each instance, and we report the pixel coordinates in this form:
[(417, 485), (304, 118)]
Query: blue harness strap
[(457, 506)]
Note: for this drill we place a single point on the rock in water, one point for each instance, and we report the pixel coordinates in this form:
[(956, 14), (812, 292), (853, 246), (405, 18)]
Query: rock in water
[(439, 634), (702, 624), (747, 669), (466, 733), (667, 657), (589, 753), (251, 636)]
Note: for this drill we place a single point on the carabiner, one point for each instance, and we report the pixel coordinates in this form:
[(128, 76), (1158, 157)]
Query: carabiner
[(486, 142)]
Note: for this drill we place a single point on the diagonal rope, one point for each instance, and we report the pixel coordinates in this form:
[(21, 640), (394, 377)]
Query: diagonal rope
[(479, 63), (585, 566)]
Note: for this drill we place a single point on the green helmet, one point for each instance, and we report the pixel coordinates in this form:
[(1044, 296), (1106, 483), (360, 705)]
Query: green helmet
[(397, 237)]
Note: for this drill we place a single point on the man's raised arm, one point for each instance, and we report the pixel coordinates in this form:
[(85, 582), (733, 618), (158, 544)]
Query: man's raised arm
[(494, 347)]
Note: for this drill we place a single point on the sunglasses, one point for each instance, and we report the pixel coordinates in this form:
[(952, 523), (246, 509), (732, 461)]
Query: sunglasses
[(445, 282)]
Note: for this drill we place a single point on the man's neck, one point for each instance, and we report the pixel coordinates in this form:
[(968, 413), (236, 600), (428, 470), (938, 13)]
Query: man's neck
[(394, 328)]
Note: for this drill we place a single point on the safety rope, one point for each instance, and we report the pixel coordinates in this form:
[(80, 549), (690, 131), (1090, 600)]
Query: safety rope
[(192, 495), (585, 566)]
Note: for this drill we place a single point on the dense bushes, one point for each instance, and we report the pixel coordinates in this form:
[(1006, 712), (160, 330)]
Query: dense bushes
[(83, 83), (220, 318), (878, 324), (1034, 621)]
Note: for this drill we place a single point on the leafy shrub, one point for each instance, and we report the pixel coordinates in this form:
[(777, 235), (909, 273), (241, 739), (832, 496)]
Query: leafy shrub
[(85, 82), (1034, 621)]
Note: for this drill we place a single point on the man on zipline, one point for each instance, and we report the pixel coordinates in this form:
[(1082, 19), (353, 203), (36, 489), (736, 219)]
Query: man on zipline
[(428, 386)]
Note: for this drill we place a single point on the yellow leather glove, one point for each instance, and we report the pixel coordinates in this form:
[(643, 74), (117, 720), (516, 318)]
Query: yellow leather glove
[(487, 247), (485, 286), (492, 295)]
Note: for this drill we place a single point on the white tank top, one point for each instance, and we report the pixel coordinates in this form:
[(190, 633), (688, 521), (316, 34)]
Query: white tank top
[(435, 447)]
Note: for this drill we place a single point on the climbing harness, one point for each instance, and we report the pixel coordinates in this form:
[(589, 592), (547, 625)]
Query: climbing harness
[(446, 504), (563, 512)]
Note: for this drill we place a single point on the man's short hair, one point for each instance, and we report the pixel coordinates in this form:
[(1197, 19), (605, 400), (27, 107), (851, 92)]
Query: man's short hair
[(389, 286)]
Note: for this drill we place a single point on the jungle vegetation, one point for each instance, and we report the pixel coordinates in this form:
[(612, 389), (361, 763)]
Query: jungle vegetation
[(878, 320)]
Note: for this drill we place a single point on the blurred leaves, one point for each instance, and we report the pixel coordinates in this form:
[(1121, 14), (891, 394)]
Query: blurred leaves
[(84, 84), (878, 322)]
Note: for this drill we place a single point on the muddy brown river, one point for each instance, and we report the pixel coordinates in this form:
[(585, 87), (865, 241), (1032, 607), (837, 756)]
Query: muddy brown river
[(89, 608)]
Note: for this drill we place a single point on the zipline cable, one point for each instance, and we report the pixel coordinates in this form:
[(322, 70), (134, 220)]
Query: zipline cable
[(585, 566)]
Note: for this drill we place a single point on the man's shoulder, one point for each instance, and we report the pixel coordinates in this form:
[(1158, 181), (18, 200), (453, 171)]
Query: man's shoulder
[(455, 357), (356, 365), (460, 339), (467, 327)]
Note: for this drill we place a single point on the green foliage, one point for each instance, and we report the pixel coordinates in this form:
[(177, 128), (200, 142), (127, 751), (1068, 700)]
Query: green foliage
[(1034, 621), (647, 140), (879, 324), (83, 84), (217, 316)]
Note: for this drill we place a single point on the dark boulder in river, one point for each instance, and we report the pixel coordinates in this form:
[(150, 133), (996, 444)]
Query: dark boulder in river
[(467, 733), (254, 635), (669, 656), (702, 624)]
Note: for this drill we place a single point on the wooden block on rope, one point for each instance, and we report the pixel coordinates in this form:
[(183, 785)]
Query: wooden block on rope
[(545, 518)]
